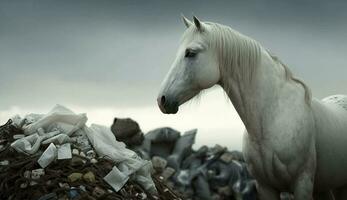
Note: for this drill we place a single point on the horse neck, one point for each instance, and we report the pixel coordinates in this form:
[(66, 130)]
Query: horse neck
[(252, 98)]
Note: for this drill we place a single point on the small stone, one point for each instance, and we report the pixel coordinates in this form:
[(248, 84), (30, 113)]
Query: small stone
[(76, 161), (37, 173), (4, 162), (82, 154), (27, 174), (91, 154), (83, 188), (98, 192), (75, 152), (75, 177), (159, 163), (89, 177), (94, 161), (141, 195), (168, 172), (225, 191), (49, 182), (24, 185), (73, 193), (33, 183), (64, 185)]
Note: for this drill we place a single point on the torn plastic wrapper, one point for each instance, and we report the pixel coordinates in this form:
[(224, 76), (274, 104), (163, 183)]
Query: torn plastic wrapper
[(31, 144), (105, 144), (59, 139), (28, 145), (64, 151), (48, 156), (59, 118), (116, 179)]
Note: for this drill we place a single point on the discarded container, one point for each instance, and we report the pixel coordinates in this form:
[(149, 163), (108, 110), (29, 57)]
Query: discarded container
[(48, 156), (64, 151)]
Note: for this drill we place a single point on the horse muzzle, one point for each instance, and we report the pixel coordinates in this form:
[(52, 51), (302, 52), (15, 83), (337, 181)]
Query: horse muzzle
[(167, 105)]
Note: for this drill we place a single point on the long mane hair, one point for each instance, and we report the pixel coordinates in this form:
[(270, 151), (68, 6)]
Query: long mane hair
[(239, 55)]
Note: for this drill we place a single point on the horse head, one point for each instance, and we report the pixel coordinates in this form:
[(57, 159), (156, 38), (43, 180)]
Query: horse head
[(195, 68)]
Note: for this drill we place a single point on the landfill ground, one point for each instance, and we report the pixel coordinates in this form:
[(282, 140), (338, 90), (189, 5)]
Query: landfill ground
[(64, 166)]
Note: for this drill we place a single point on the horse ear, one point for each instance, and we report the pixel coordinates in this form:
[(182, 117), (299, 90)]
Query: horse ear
[(198, 23), (186, 21)]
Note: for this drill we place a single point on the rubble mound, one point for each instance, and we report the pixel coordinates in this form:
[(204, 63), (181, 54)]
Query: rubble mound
[(40, 166)]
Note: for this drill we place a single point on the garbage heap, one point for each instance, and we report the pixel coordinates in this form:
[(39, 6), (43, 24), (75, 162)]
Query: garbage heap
[(57, 156), (207, 173)]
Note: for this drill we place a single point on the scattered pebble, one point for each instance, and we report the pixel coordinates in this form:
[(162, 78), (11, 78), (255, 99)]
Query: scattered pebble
[(75, 177)]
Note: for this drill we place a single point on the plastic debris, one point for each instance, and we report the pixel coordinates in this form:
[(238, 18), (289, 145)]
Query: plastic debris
[(37, 173), (64, 151), (168, 172), (48, 156), (4, 162), (75, 152), (116, 179), (208, 173), (59, 139), (182, 148), (105, 144), (73, 193), (18, 136), (28, 145), (101, 167), (91, 154)]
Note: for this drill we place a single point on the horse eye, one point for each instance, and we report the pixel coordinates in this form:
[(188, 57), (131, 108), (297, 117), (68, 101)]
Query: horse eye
[(190, 54)]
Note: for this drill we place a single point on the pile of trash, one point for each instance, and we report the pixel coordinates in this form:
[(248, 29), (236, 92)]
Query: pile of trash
[(57, 156), (207, 173)]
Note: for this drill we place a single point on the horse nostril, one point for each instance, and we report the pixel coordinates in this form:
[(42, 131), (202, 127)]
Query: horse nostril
[(162, 100)]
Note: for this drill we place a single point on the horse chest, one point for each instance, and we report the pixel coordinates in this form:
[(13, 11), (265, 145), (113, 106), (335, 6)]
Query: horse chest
[(265, 165)]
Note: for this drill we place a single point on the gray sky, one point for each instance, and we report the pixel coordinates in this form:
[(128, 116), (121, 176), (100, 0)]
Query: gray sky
[(116, 53)]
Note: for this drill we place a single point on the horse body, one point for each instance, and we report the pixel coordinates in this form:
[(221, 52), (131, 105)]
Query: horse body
[(292, 143), (331, 142)]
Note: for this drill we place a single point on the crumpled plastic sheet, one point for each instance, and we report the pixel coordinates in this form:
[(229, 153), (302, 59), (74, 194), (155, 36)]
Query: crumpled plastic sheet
[(61, 120), (105, 144)]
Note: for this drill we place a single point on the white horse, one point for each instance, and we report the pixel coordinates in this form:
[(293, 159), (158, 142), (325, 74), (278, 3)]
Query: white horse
[(292, 143)]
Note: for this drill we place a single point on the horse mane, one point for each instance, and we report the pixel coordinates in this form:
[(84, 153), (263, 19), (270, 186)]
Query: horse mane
[(246, 53), (289, 76)]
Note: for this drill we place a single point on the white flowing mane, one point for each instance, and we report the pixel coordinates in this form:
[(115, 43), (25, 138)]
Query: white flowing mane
[(246, 54)]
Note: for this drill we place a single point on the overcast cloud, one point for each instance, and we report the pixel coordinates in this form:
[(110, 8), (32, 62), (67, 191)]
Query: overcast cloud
[(114, 54)]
